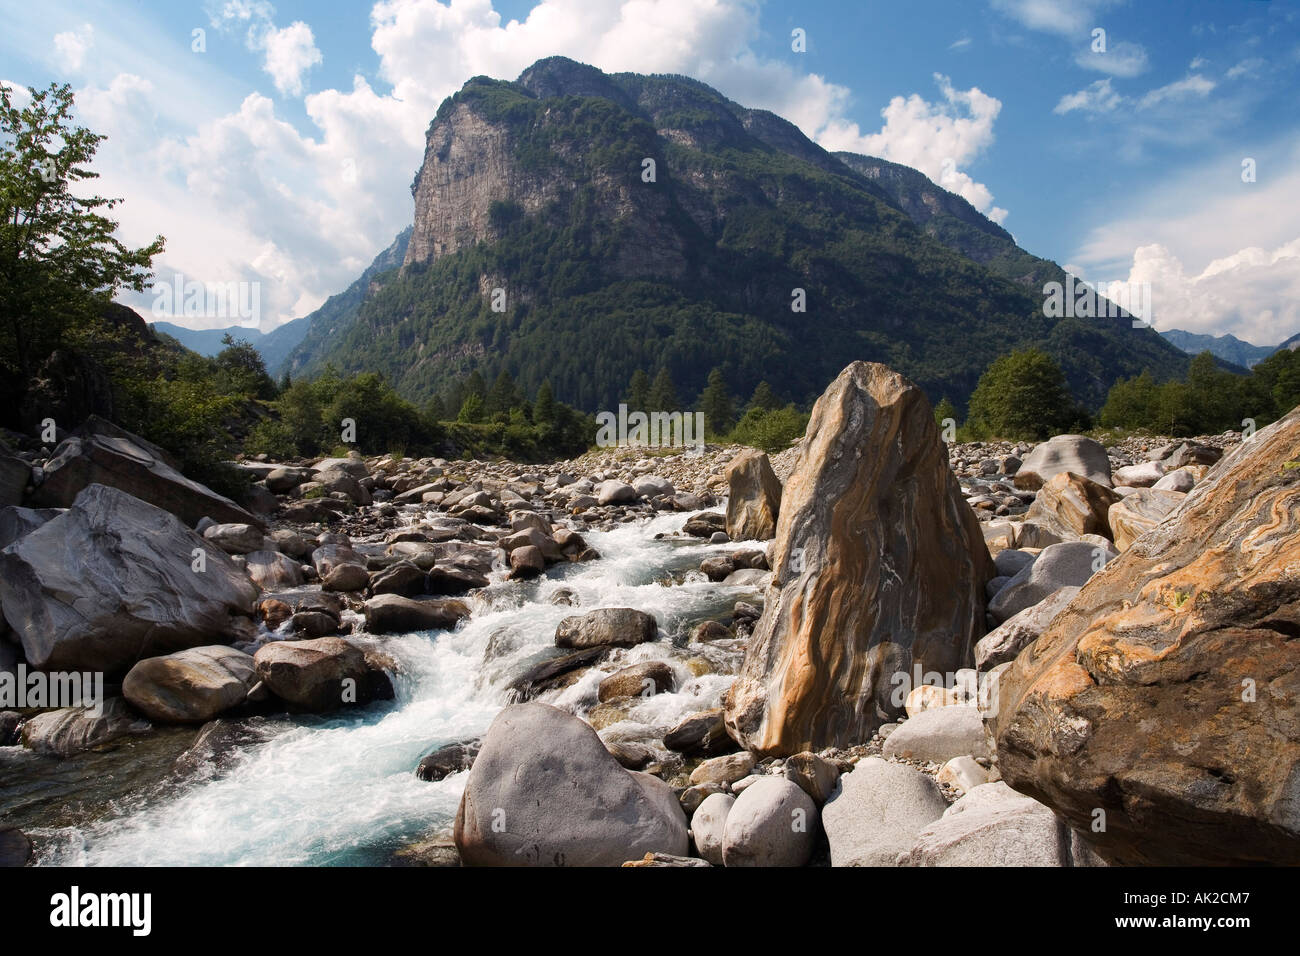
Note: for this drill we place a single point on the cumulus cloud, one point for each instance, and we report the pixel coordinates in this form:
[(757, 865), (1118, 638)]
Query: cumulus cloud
[(1253, 293), (70, 47), (1186, 88), (289, 52), (934, 137), (1221, 255)]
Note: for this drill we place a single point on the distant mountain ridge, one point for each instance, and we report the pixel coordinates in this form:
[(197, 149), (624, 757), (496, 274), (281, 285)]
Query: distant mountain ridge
[(630, 222), (273, 346), (1227, 347)]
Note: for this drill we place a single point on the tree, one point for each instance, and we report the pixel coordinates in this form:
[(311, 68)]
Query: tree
[(1022, 396), (472, 409), (944, 411), (638, 393), (239, 370), (663, 393), (59, 259), (434, 410), (763, 398), (715, 403), (544, 406), (503, 397)]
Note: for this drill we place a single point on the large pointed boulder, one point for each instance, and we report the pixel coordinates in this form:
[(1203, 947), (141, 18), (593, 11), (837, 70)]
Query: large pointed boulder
[(878, 566), (1159, 711)]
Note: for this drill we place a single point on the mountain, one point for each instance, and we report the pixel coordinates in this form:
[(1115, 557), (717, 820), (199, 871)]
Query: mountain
[(1227, 347), (632, 222), (1292, 343), (273, 346)]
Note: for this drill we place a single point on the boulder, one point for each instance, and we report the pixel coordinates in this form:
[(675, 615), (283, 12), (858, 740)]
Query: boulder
[(754, 497), (705, 524), (394, 614), (449, 759), (709, 824), (319, 675), (814, 775), (403, 578), (877, 811), (544, 791), (71, 730), (879, 566), (1181, 480), (1135, 515), (284, 480), (15, 848), (17, 522), (643, 680), (1073, 453), (723, 770), (1142, 475), (1164, 694), (346, 577), (1071, 506), (992, 825), (653, 486), (543, 676), (939, 734), (191, 686), (235, 538), (112, 580), (110, 456), (1069, 564), (963, 773), (607, 626), (14, 476), (700, 735), (773, 823), (273, 571), (1017, 632), (615, 493), (527, 562)]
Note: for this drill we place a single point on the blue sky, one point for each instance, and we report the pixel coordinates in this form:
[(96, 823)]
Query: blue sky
[(282, 152)]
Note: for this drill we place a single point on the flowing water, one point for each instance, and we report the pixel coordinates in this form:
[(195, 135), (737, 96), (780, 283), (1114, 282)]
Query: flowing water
[(341, 790)]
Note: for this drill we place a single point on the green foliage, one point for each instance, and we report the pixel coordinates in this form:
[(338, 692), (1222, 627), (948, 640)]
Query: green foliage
[(772, 430), (715, 402), (944, 411), (1209, 400), (1021, 396), (663, 394), (59, 258)]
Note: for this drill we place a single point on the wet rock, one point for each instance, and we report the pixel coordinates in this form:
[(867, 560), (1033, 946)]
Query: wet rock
[(638, 680), (394, 614), (542, 677), (701, 735), (449, 759), (705, 524), (15, 847), (610, 626), (71, 730), (318, 675)]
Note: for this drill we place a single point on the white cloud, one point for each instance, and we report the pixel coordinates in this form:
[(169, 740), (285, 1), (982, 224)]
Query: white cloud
[(1252, 293), (1119, 59), (1248, 67), (1097, 97), (290, 52), (960, 44), (1198, 63), (935, 138), (1186, 88), (1063, 17), (71, 46)]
